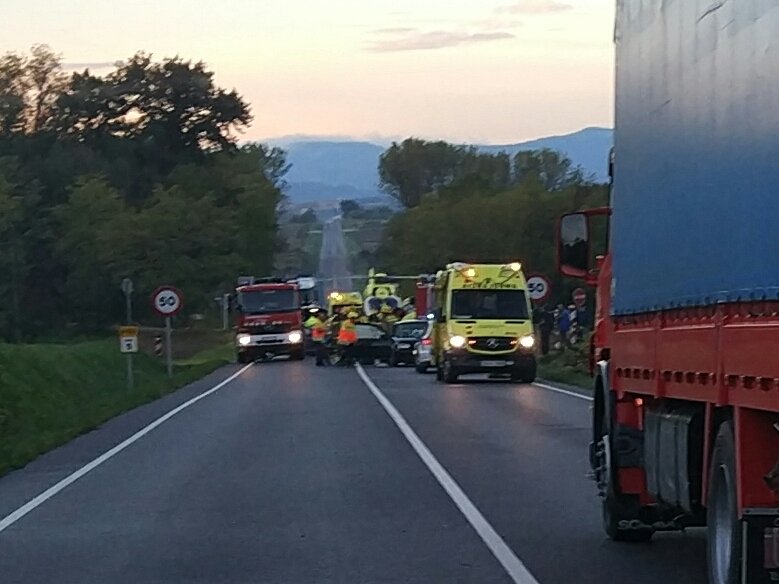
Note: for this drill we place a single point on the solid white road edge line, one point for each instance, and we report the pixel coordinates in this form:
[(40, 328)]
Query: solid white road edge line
[(563, 391), (12, 518), (502, 552)]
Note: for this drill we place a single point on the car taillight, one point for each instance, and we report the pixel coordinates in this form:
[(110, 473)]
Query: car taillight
[(427, 341)]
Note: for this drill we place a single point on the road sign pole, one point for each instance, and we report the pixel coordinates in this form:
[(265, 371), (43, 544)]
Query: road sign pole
[(225, 311), (168, 348), (127, 288), (130, 376)]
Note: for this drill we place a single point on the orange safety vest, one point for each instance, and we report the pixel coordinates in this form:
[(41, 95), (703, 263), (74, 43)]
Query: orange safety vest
[(347, 334), (318, 331)]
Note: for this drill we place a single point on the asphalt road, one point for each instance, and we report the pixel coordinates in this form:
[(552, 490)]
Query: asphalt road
[(294, 474), (333, 257)]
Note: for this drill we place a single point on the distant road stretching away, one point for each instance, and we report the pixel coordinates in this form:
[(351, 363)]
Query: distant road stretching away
[(333, 258)]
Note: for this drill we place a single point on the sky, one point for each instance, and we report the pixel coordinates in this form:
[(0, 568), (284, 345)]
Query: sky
[(487, 71)]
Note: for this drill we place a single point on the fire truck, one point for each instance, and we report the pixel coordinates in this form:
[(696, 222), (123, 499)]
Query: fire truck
[(268, 319)]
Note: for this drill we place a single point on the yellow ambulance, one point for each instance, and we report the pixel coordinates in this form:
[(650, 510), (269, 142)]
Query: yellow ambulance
[(483, 322)]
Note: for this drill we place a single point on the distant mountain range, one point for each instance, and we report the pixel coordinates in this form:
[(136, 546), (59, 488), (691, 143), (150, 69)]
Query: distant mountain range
[(326, 169)]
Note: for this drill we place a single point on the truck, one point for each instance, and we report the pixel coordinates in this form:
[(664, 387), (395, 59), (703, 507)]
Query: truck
[(685, 417), (268, 319), (483, 322)]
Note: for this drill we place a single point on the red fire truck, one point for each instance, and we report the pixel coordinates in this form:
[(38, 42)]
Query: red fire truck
[(268, 321), (686, 346)]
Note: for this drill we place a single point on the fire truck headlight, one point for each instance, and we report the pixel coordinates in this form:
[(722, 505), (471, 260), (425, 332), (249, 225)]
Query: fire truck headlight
[(295, 337), (244, 339)]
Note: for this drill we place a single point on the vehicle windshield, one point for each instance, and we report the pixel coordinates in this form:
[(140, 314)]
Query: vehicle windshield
[(266, 301), (410, 330), (489, 304)]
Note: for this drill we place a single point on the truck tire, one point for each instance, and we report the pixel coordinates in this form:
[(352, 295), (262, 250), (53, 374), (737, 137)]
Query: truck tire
[(449, 372), (618, 522), (242, 358), (297, 355), (724, 544)]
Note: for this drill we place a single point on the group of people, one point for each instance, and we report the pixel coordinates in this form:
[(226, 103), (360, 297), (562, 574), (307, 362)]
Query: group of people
[(343, 326), (561, 326)]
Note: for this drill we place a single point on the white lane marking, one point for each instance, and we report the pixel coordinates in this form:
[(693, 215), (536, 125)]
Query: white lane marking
[(502, 552), (12, 518), (563, 391)]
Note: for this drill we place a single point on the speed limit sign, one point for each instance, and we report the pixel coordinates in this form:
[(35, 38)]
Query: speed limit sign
[(167, 300), (538, 288)]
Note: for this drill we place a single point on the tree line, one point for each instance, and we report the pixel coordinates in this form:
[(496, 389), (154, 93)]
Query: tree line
[(136, 173), (460, 204)]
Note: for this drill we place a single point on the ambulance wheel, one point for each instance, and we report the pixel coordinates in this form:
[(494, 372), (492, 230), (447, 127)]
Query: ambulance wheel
[(724, 531), (449, 372)]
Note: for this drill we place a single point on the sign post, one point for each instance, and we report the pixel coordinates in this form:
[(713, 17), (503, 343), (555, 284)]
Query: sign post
[(538, 288), (128, 344), (167, 301), (127, 290)]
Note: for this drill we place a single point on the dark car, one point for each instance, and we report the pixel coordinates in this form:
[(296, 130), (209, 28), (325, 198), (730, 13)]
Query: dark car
[(405, 335), (373, 344)]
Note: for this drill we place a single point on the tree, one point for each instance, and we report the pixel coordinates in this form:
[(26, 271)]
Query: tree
[(552, 169), (349, 207), (414, 168)]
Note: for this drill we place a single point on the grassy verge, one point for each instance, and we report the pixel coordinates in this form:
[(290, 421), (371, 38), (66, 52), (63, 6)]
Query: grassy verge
[(51, 393), (569, 366)]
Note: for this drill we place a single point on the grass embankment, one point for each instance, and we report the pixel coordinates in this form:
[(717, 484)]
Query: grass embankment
[(50, 393), (569, 366)]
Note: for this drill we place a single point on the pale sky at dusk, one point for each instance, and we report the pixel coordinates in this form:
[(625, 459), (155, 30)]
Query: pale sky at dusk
[(491, 71)]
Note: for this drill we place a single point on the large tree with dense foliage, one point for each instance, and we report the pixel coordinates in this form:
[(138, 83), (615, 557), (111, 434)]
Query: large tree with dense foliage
[(136, 173)]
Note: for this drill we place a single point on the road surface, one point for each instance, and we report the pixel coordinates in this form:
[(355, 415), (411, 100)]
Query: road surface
[(333, 257), (294, 474)]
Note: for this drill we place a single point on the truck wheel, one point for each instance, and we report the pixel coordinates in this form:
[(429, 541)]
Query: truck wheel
[(297, 355), (618, 523), (449, 372), (242, 358), (724, 532)]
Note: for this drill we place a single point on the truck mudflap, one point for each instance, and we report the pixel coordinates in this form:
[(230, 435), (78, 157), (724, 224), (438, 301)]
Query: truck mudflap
[(760, 536)]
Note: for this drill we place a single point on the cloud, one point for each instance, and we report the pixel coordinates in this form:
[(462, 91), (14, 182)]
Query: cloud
[(399, 30), (90, 65), (535, 7), (439, 39)]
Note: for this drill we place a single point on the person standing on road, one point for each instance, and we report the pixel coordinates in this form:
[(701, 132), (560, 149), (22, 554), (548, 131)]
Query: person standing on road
[(347, 337), (319, 336), (545, 323)]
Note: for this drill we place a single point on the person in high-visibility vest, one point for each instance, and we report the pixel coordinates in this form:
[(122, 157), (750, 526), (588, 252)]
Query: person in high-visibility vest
[(319, 336), (347, 337)]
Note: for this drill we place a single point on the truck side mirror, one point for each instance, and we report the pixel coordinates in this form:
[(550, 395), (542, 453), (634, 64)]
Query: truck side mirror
[(573, 248)]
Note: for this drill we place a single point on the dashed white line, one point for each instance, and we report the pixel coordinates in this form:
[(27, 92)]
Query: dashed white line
[(563, 391), (15, 516), (502, 552)]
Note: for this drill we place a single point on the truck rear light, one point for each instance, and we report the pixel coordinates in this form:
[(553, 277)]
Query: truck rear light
[(427, 342)]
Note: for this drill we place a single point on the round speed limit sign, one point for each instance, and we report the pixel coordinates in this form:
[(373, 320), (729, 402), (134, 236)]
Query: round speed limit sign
[(167, 300), (538, 288)]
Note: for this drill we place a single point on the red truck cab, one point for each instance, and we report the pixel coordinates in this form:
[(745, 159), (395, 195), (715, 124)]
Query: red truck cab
[(268, 320)]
